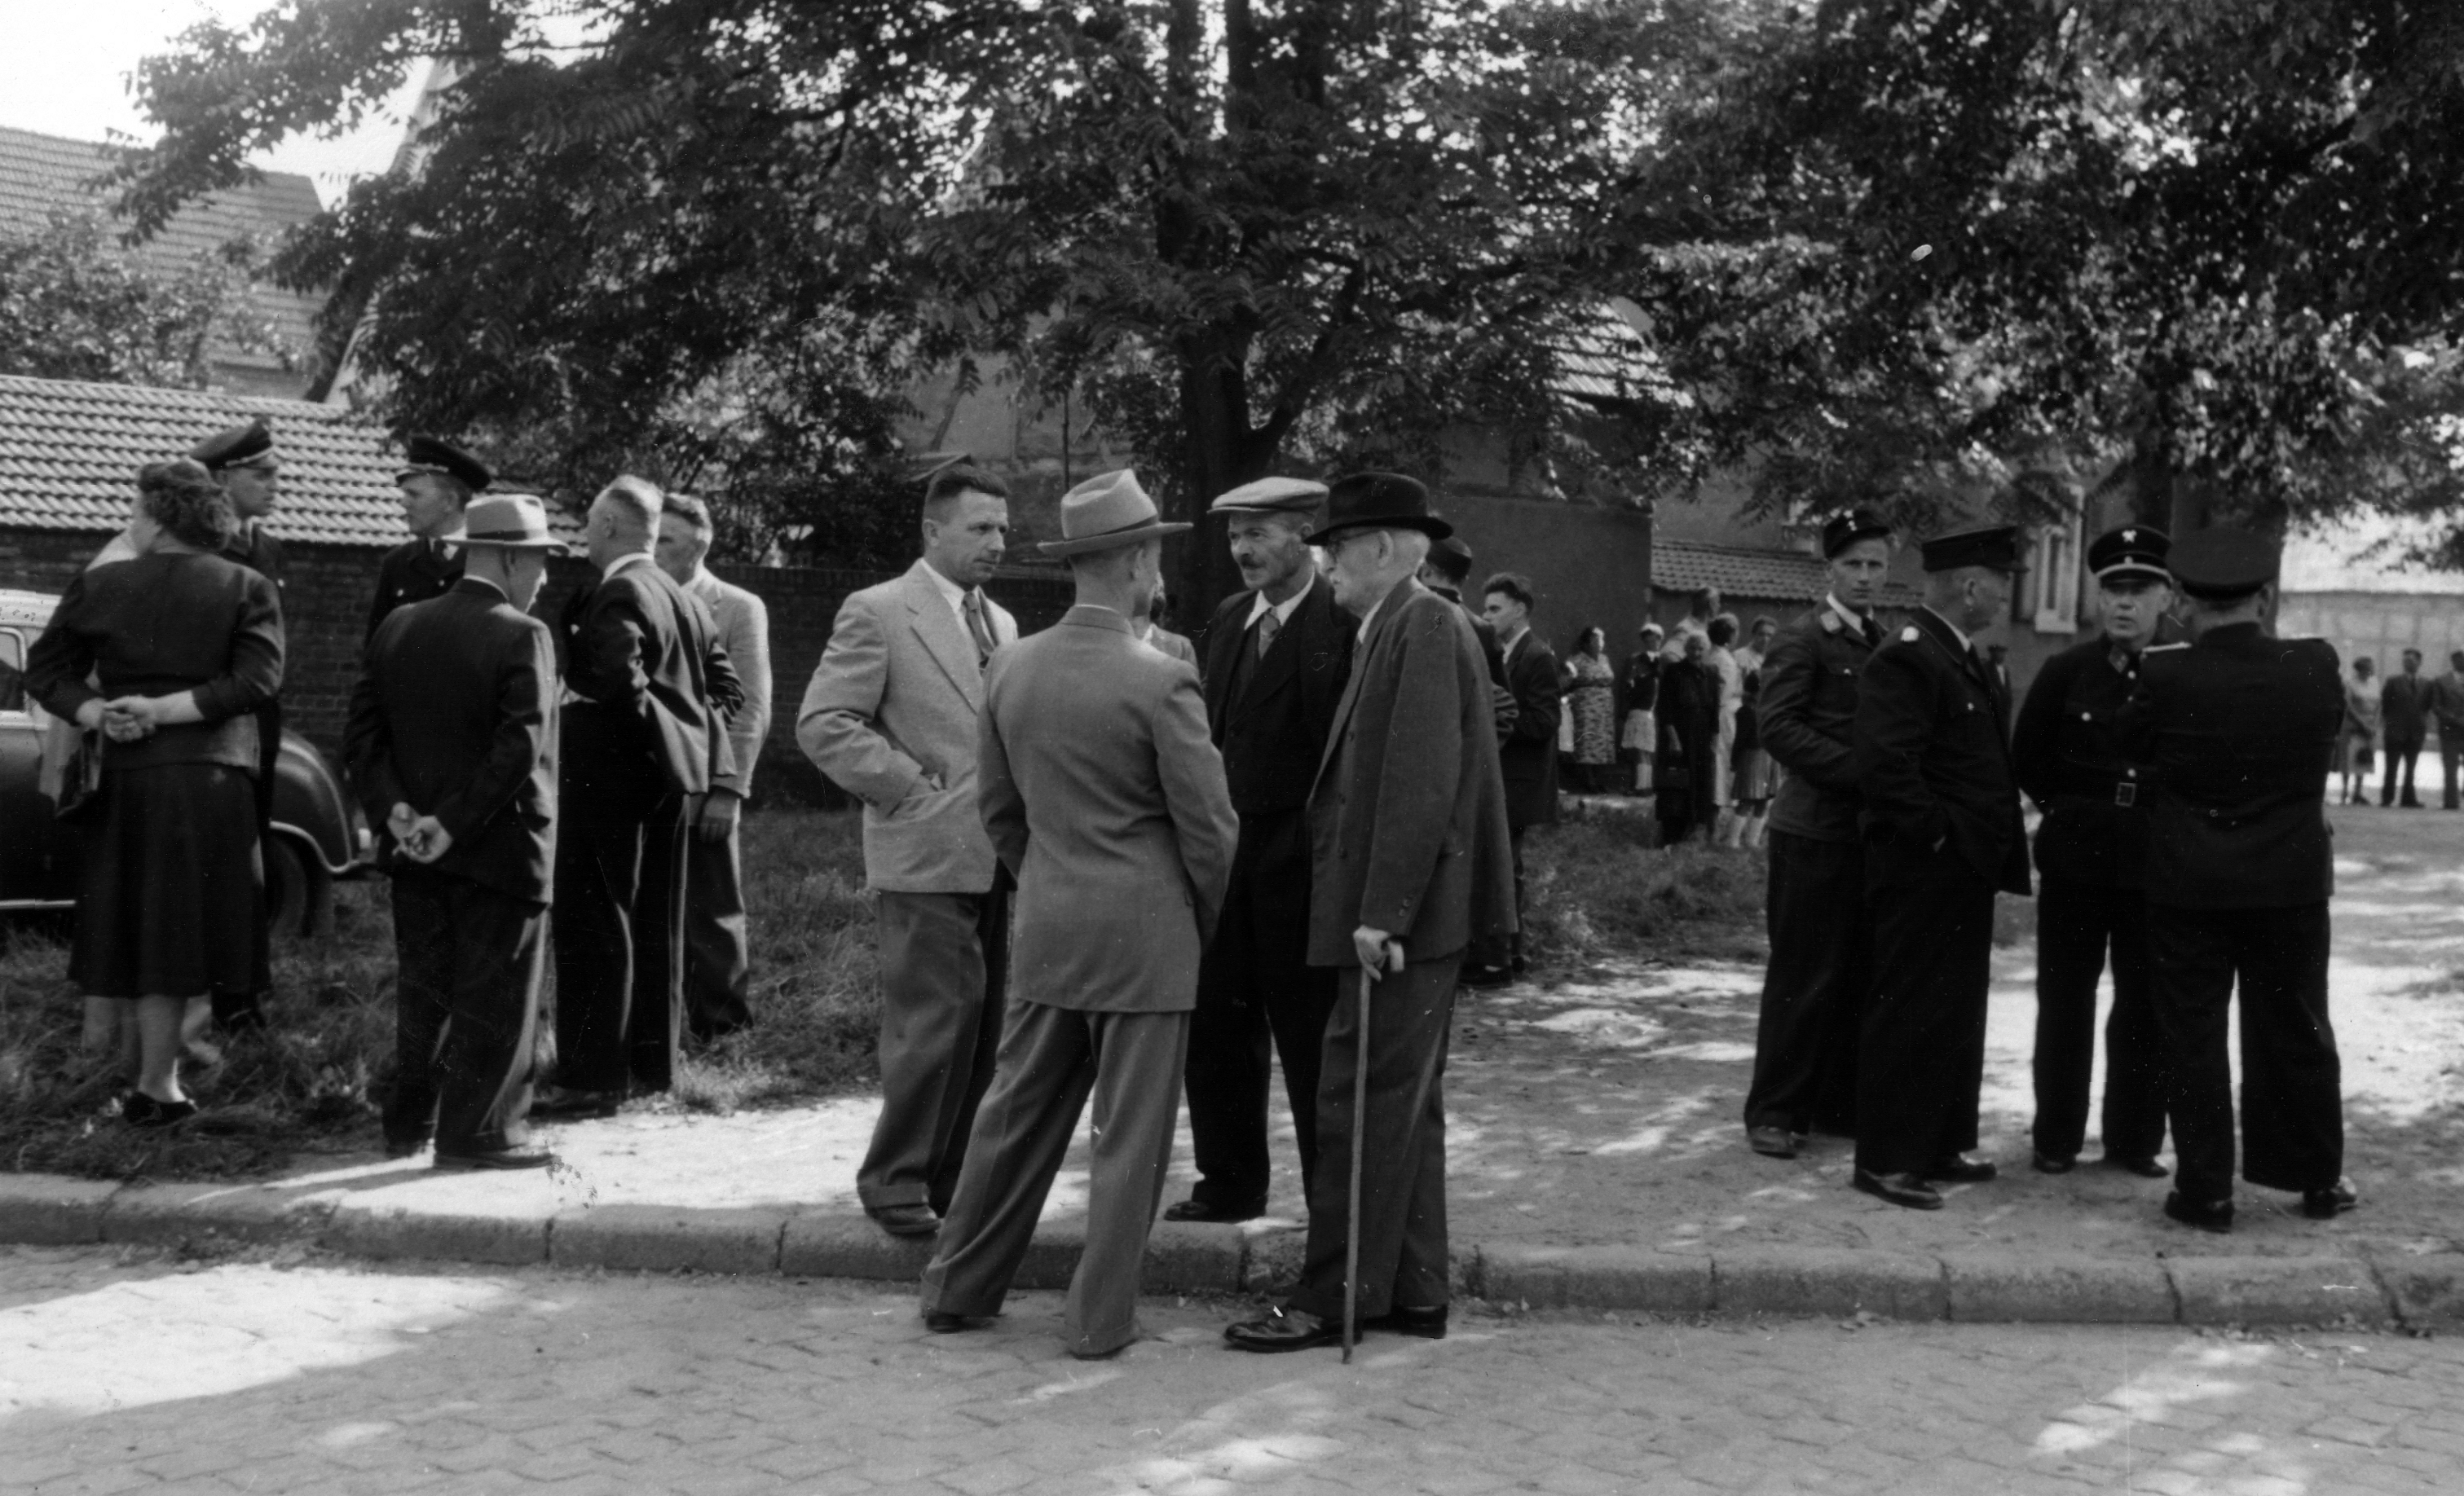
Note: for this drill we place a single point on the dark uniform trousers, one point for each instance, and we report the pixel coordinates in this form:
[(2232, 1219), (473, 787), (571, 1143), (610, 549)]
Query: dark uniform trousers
[(1258, 994), (1923, 1057), (944, 970), (1403, 1249), (467, 1013), (2291, 1108), (1813, 990), (718, 967), (620, 885), (2077, 923)]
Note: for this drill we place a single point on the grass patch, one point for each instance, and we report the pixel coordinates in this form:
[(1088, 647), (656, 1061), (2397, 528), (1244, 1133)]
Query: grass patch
[(1601, 888)]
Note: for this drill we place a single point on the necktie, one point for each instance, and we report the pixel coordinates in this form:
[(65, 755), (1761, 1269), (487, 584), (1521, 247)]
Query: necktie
[(1873, 634), (1269, 627), (981, 627)]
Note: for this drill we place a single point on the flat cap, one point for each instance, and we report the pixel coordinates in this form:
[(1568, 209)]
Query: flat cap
[(2221, 565), (235, 447), (1995, 547), (434, 454), (1842, 530), (1271, 496), (2131, 550)]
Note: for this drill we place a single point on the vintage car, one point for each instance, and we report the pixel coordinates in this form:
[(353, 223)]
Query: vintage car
[(318, 835)]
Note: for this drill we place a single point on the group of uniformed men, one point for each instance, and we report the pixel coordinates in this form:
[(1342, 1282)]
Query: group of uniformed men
[(2179, 768)]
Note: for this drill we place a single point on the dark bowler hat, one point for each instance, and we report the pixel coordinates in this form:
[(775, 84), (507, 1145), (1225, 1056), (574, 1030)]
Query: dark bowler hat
[(1995, 547), (2223, 565), (1842, 530), (1384, 500), (431, 454), (1271, 496), (2132, 550), (237, 446)]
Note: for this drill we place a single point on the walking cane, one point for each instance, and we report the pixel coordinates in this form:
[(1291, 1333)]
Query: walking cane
[(1359, 1127)]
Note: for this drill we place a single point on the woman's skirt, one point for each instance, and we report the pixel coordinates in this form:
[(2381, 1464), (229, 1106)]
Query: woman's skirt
[(172, 891), (2355, 753)]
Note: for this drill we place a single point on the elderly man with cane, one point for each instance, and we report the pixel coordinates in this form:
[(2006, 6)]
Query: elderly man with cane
[(1409, 863)]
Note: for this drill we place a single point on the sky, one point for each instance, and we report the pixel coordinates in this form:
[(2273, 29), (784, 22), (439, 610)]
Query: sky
[(66, 67)]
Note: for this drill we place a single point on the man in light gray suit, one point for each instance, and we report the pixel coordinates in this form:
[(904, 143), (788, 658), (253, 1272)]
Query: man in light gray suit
[(1104, 793), (718, 964), (891, 716)]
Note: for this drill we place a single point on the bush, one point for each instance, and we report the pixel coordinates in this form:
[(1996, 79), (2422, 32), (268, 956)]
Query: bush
[(1601, 888)]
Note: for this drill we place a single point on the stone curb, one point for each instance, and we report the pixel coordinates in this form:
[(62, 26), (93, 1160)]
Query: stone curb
[(2377, 1284)]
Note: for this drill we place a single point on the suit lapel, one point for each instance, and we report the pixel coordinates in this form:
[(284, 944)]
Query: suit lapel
[(1379, 628), (929, 615), (1278, 668)]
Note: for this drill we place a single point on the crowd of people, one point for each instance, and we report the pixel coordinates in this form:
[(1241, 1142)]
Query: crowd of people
[(2393, 717)]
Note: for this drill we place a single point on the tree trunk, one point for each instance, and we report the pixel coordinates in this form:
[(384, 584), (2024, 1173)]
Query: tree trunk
[(1222, 453)]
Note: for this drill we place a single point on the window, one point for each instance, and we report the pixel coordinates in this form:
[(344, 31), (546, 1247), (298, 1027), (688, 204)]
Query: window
[(2047, 597), (12, 670)]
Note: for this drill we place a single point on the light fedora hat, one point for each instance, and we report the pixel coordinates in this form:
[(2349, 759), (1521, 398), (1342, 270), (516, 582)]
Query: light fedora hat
[(1107, 509), (506, 521)]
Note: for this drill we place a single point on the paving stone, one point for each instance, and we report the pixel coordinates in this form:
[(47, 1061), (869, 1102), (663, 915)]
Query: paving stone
[(2428, 1289), (845, 1245), (48, 1210), (1807, 1280), (1594, 1277), (391, 1232), (1989, 1286), (2275, 1290), (201, 1215), (665, 1239)]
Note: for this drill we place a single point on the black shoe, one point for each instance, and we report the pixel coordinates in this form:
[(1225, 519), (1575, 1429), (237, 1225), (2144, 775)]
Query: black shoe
[(1900, 1189), (1960, 1169), (2326, 1205), (1196, 1209), (2144, 1168), (562, 1104), (1771, 1142), (2215, 1216), (906, 1219), (406, 1147), (2055, 1162), (1423, 1323), (497, 1159), (941, 1322), (139, 1110), (1284, 1329), (1483, 977)]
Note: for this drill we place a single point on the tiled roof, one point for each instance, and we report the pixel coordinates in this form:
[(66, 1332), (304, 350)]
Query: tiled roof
[(1752, 571), (1602, 355), (40, 174)]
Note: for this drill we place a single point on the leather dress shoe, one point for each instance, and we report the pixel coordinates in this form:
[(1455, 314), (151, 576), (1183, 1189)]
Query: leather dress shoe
[(1960, 1169), (406, 1147), (1284, 1329), (497, 1159), (564, 1104), (1483, 977), (906, 1219), (139, 1110), (2216, 1216), (1900, 1189), (1771, 1142), (1195, 1209), (2144, 1168), (2055, 1162), (942, 1322), (1425, 1322), (2326, 1205)]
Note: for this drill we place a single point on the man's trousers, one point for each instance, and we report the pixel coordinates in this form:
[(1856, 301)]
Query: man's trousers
[(944, 966), (2400, 759), (1403, 1145), (2076, 924), (2292, 1096), (620, 913), (1254, 987), (718, 967), (466, 1014), (2451, 750), (1052, 1060), (1814, 988), (1921, 1062)]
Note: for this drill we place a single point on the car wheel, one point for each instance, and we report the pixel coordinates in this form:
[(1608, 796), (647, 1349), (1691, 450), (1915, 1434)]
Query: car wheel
[(298, 893)]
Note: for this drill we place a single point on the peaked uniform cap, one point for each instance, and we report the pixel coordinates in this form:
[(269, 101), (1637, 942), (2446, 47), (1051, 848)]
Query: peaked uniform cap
[(2221, 565), (235, 447), (1271, 496), (1106, 511), (1842, 530), (506, 522), (2130, 550), (436, 455), (1379, 500), (1995, 547)]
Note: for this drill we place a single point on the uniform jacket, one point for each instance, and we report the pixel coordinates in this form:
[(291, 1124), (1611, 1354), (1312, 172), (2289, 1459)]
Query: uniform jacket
[(890, 716), (1807, 714), (1272, 734), (1105, 799), (255, 546), (743, 624), (652, 688), (455, 715), (1528, 758), (2240, 729), (1932, 753), (2067, 751), (413, 572), (1407, 816), (2403, 707)]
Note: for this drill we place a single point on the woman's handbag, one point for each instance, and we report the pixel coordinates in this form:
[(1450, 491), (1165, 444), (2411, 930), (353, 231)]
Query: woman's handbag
[(81, 777)]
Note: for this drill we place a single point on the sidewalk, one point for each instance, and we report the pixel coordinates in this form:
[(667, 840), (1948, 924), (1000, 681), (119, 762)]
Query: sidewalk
[(1596, 1157)]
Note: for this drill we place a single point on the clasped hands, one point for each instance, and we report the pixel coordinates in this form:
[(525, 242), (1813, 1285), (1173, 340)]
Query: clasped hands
[(124, 719), (421, 838)]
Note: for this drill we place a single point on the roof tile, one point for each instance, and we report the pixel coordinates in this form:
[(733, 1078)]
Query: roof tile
[(1752, 571)]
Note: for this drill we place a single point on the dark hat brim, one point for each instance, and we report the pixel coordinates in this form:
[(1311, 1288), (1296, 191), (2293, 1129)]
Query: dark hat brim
[(2127, 570), (1429, 525), (1085, 545)]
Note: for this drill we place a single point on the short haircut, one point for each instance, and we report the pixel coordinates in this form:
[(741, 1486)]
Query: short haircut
[(692, 510), (638, 497), (943, 487), (1765, 622), (2412, 654), (2366, 661), (185, 500), (1513, 584), (1722, 630), (1704, 600)]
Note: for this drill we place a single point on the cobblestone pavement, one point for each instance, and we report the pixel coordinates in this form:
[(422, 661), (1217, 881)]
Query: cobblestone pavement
[(132, 1374)]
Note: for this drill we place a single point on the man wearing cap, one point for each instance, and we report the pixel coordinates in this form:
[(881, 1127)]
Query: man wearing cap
[(1820, 969), (2092, 853), (2238, 729), (1106, 801), (436, 478), (452, 746), (890, 717), (1409, 863), (1931, 751), (1276, 658)]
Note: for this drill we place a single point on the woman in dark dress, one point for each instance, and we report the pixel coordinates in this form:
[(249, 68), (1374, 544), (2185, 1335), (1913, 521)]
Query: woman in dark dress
[(1689, 743), (1640, 737), (182, 646)]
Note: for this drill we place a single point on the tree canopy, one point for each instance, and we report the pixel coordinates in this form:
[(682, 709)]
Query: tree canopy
[(76, 306)]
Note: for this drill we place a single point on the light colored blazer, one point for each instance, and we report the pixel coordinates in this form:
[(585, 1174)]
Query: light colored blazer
[(1104, 795), (890, 717), (744, 628)]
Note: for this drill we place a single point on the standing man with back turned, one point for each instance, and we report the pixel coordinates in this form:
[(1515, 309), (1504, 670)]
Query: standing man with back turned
[(1943, 834), (1821, 964), (890, 717), (437, 480), (1276, 659), (2239, 728)]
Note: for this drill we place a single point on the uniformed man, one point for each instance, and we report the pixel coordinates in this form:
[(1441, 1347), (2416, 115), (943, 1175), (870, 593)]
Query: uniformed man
[(437, 481), (1943, 834), (2238, 729), (2092, 850), (1821, 946)]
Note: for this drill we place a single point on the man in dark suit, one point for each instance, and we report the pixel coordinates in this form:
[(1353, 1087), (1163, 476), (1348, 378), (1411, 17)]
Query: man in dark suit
[(2238, 729), (644, 731), (437, 480), (2092, 851), (1943, 834), (1528, 758), (1821, 940), (1275, 659), (1409, 863), (1486, 962), (451, 746), (2405, 709)]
